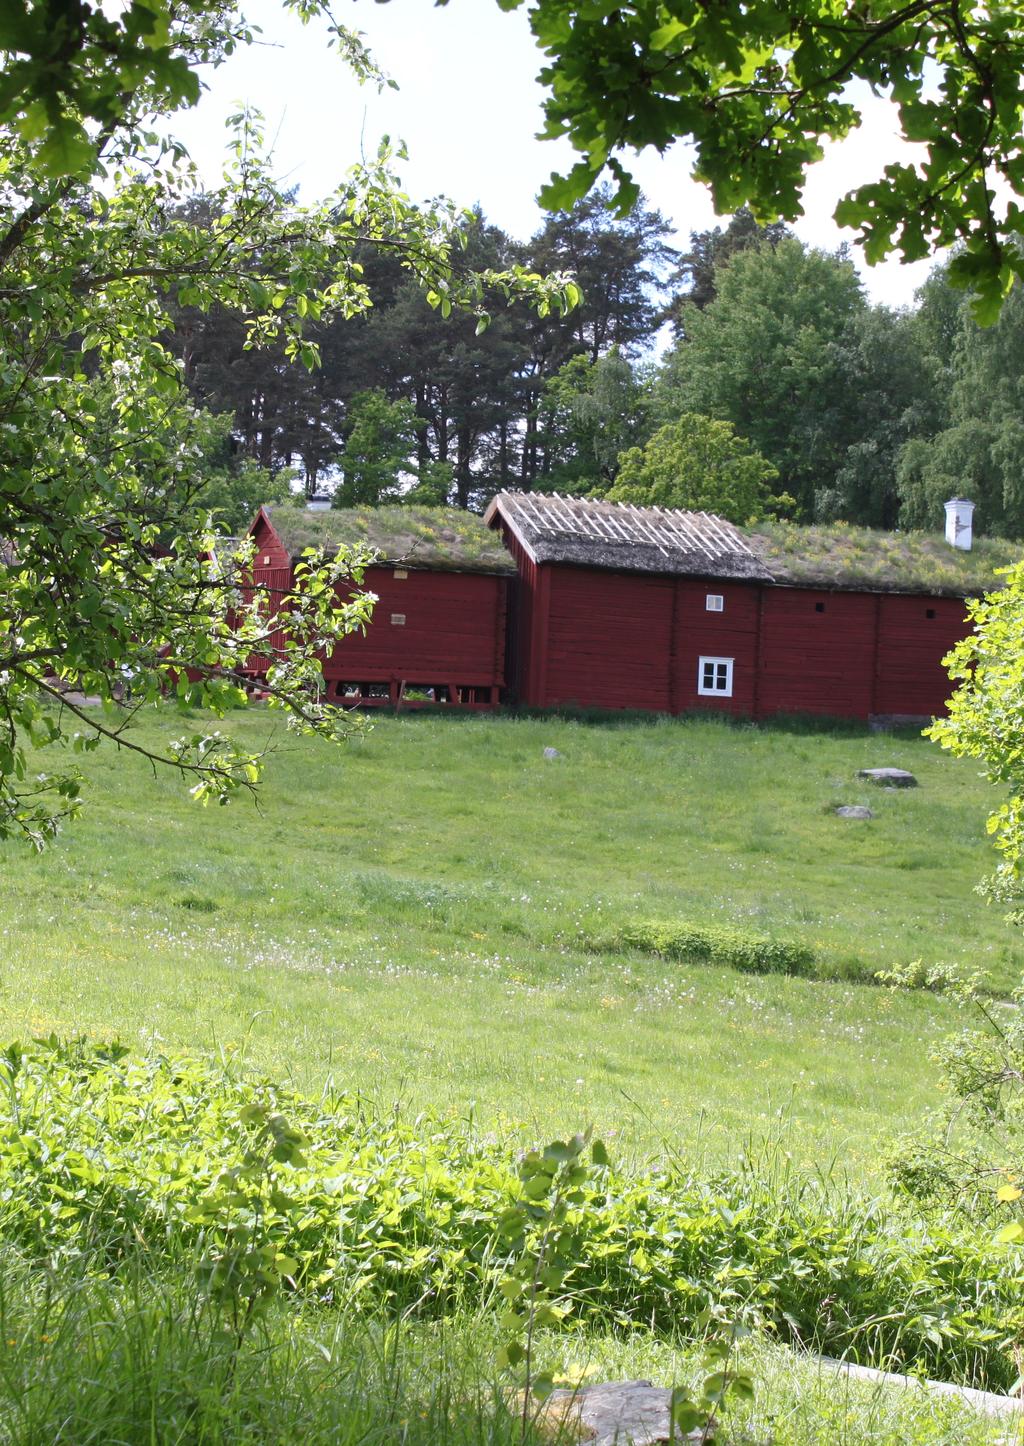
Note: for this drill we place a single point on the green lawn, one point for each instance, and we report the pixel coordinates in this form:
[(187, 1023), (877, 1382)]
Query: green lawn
[(409, 915)]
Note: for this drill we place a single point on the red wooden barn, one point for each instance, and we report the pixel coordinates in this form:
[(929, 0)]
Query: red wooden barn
[(438, 628), (607, 605), (641, 607)]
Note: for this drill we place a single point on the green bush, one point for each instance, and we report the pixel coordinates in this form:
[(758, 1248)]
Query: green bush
[(104, 1153), (718, 944)]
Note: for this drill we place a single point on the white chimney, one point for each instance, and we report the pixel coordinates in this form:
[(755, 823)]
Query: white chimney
[(958, 522), (321, 502)]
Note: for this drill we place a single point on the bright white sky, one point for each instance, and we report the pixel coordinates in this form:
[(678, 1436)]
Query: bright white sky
[(468, 109)]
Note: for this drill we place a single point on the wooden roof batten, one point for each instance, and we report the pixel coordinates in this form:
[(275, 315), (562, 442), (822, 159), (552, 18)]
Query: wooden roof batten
[(623, 536)]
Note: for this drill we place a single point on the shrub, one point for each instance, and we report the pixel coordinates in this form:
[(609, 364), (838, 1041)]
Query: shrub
[(104, 1153), (936, 978), (718, 944)]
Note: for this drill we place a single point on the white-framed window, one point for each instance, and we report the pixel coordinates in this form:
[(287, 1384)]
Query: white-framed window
[(714, 677), (715, 602)]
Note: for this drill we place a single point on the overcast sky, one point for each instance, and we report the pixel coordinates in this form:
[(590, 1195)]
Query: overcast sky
[(468, 109)]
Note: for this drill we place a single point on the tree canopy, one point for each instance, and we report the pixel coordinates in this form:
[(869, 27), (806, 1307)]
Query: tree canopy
[(756, 88), (698, 464), (110, 575), (764, 356)]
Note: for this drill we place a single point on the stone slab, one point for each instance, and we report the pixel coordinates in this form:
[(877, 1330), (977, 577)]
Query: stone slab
[(614, 1413), (888, 777)]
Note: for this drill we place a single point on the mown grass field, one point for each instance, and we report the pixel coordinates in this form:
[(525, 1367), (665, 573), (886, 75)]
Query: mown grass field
[(412, 916)]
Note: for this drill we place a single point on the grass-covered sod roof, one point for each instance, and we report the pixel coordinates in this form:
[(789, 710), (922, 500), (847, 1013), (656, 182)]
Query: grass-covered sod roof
[(835, 556), (435, 537), (861, 558)]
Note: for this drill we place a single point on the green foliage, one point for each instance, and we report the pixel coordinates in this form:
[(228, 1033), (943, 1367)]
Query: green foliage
[(719, 944), (378, 450), (711, 251), (232, 486), (939, 978), (591, 413), (891, 395), (698, 464), (103, 1153), (968, 1157), (986, 718), (108, 567), (764, 355), (756, 91), (543, 1233), (725, 1380), (976, 449)]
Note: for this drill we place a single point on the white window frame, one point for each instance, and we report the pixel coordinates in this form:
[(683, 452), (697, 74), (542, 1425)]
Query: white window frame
[(715, 691), (714, 603)]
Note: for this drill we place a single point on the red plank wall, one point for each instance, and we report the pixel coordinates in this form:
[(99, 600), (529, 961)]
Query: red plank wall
[(609, 639), (453, 630), (628, 640), (428, 627), (731, 633), (817, 652), (915, 633), (620, 640), (523, 643)]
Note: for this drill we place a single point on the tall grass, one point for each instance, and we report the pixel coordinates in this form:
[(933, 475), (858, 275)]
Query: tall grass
[(142, 1360), (138, 1361)]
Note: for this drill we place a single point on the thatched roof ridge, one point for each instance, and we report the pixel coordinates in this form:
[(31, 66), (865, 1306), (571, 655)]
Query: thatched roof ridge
[(622, 537), (444, 539)]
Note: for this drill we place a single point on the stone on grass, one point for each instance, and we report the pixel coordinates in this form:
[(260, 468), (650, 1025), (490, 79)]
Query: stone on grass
[(616, 1413), (889, 777), (552, 753), (853, 810)]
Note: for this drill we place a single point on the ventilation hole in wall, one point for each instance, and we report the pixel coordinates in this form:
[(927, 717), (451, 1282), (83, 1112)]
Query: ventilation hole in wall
[(819, 607), (929, 612)]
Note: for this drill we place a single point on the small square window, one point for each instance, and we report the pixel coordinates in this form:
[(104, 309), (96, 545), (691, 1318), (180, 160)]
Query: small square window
[(398, 620), (401, 572), (715, 602), (714, 677)]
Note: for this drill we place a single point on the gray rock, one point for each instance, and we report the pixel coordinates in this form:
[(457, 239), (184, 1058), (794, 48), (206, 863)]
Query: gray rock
[(552, 753), (889, 777), (615, 1413), (854, 810)]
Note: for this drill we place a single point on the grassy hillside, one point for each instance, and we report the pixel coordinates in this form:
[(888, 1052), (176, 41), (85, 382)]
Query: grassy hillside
[(415, 915)]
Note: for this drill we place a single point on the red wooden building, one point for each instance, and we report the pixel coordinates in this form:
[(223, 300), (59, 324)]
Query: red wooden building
[(552, 601), (639, 607), (438, 628)]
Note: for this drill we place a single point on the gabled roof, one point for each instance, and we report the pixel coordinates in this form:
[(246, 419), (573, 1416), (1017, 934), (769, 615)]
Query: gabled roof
[(618, 535), (443, 539), (839, 557)]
